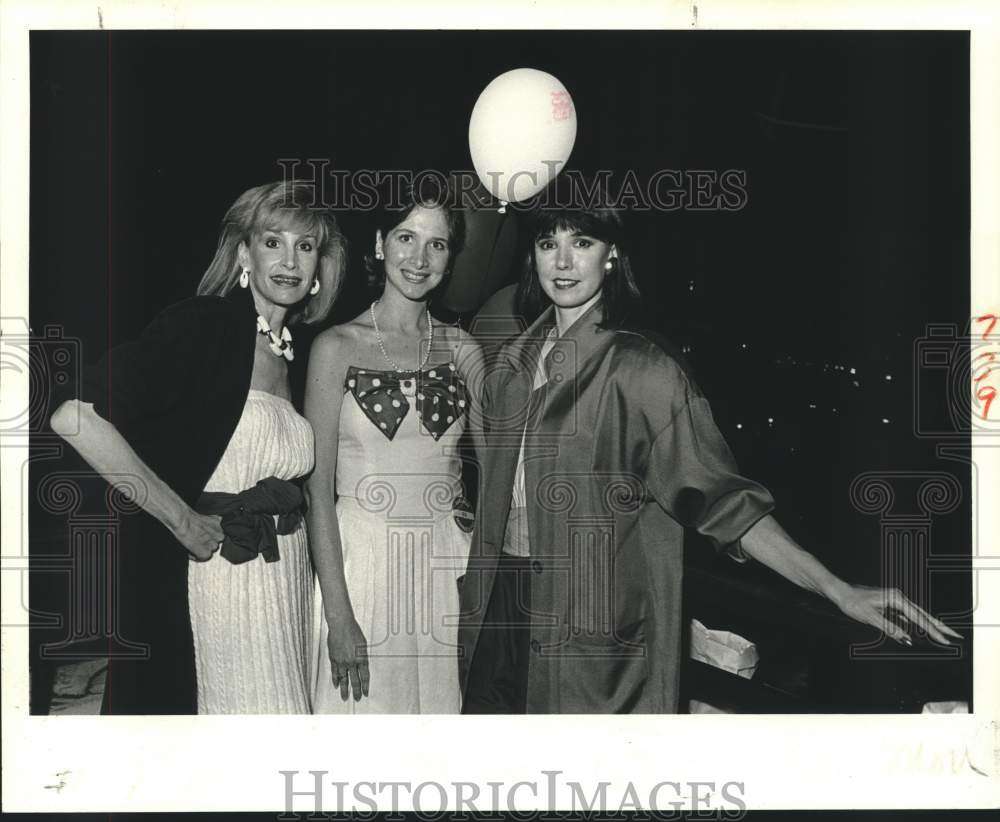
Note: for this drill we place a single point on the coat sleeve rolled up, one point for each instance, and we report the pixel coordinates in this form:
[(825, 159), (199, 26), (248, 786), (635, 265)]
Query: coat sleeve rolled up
[(691, 472)]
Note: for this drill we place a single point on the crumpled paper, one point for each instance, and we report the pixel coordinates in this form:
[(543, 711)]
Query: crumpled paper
[(945, 708), (724, 650)]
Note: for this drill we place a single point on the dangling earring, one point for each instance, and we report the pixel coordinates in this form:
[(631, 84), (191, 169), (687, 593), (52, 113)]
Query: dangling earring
[(245, 277), (378, 253), (315, 287)]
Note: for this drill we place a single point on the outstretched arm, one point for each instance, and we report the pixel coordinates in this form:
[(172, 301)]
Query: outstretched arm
[(768, 543), (324, 396), (693, 475)]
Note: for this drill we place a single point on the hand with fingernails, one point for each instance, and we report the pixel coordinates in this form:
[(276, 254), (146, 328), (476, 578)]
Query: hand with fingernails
[(348, 651), (877, 606)]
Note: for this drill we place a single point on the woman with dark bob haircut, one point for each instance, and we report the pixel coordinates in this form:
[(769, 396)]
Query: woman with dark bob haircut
[(619, 292), (389, 395), (194, 422), (600, 451)]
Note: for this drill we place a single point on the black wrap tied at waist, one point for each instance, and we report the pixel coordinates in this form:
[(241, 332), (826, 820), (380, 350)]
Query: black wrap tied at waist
[(248, 518)]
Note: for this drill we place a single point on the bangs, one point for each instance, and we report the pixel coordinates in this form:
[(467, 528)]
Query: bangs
[(278, 215), (601, 224)]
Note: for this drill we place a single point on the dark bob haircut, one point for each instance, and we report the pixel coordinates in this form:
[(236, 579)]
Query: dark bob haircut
[(619, 293)]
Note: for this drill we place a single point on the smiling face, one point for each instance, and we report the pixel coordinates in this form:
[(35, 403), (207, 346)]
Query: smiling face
[(417, 252), (282, 262), (570, 266)]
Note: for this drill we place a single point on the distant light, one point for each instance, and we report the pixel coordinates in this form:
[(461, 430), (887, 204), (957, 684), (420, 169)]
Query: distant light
[(739, 425), (812, 405), (888, 376), (854, 371), (743, 345), (834, 410), (885, 420), (770, 420)]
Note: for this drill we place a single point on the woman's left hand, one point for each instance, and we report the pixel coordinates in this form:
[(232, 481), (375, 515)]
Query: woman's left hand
[(870, 605)]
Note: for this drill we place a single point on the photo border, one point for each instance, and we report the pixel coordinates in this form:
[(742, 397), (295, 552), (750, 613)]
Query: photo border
[(108, 764)]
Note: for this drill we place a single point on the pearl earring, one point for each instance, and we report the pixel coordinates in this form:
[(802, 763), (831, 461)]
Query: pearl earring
[(608, 265), (245, 277), (315, 287), (378, 253)]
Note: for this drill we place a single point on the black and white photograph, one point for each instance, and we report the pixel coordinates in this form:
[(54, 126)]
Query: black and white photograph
[(631, 383)]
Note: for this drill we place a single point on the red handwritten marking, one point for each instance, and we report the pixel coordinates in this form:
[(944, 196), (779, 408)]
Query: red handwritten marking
[(987, 393), (992, 319), (562, 105)]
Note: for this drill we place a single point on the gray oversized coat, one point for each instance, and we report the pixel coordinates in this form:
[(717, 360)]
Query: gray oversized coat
[(620, 454)]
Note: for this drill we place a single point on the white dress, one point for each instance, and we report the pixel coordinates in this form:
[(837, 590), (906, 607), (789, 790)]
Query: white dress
[(403, 551), (252, 622)]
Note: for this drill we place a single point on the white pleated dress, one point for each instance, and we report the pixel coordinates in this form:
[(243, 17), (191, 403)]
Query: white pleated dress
[(253, 622)]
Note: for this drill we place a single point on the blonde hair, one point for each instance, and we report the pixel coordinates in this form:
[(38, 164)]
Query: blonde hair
[(280, 205)]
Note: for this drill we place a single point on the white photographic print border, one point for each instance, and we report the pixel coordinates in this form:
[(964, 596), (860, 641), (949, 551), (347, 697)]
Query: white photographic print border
[(117, 764)]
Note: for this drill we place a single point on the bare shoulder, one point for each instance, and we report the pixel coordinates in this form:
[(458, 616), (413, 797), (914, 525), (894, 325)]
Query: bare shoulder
[(359, 329), (328, 341), (334, 349)]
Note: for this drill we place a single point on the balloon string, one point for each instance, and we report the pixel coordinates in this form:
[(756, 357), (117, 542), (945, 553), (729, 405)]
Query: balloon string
[(496, 242)]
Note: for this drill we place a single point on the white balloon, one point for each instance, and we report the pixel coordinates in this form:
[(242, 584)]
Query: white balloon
[(521, 133)]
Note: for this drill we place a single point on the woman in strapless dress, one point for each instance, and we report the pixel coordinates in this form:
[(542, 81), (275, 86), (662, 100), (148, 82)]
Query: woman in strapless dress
[(198, 408), (389, 395)]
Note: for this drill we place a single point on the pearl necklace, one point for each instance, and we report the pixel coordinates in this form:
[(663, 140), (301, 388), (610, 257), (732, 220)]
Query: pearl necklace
[(390, 360), (280, 346)]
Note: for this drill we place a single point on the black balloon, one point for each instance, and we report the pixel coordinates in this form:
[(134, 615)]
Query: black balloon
[(489, 259)]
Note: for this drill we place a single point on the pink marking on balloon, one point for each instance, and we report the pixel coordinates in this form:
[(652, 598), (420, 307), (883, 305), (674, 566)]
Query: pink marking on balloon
[(562, 105)]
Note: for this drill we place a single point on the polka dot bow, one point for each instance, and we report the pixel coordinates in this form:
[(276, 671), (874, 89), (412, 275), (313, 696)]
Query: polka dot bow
[(383, 397)]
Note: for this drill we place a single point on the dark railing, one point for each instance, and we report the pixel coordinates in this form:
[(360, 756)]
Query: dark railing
[(813, 659)]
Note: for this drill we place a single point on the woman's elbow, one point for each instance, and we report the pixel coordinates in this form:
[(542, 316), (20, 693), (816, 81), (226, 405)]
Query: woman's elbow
[(65, 420)]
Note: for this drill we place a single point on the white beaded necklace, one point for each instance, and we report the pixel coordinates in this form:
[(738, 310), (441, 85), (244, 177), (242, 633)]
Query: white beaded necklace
[(390, 360), (280, 346)]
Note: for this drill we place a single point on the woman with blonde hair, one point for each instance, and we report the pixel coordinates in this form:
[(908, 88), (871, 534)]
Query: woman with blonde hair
[(194, 421)]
